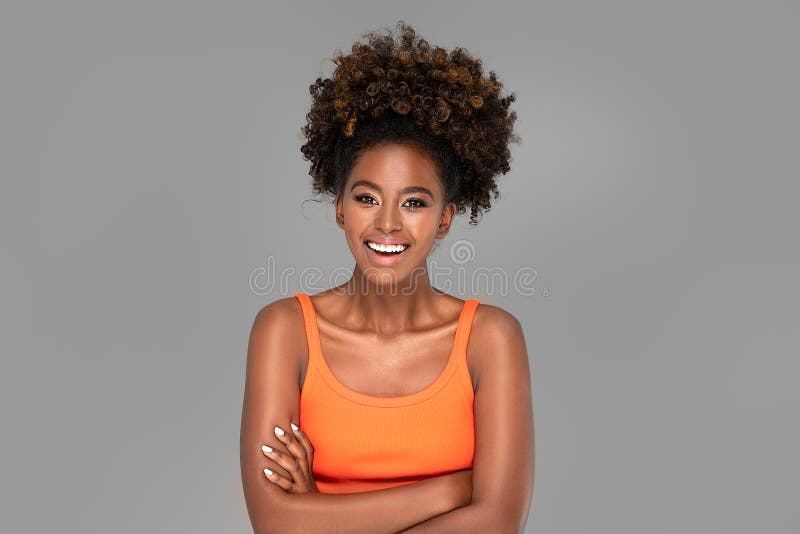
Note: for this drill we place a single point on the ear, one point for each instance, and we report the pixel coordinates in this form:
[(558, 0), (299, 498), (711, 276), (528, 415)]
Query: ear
[(446, 220), (339, 210)]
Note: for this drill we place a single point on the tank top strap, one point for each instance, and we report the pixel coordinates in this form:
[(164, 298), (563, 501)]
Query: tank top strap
[(309, 319), (465, 323), (462, 340)]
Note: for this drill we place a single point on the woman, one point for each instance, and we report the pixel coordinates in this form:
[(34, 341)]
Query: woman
[(385, 404)]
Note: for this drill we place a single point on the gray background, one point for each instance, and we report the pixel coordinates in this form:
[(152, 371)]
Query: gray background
[(150, 165)]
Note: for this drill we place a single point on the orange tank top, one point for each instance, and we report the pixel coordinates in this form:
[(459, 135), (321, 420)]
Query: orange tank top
[(365, 443)]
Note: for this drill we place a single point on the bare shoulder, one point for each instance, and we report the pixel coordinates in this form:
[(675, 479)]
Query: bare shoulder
[(281, 311), (282, 315), (497, 339), (492, 318), (492, 325), (280, 324)]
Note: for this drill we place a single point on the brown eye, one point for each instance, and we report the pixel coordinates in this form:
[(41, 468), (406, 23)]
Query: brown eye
[(362, 198), (418, 203)]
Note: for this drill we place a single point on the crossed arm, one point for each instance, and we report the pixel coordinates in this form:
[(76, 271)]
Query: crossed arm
[(385, 511), (503, 466)]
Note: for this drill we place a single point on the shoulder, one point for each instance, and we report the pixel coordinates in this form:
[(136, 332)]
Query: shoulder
[(494, 320), (278, 315), (497, 340), (280, 326), (492, 325)]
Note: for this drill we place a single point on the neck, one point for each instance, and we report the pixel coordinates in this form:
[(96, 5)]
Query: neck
[(387, 306)]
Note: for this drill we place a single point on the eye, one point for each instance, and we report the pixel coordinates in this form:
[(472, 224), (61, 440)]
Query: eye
[(419, 203), (362, 198)]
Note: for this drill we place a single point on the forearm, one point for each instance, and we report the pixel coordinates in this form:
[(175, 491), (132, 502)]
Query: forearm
[(381, 511), (472, 518)]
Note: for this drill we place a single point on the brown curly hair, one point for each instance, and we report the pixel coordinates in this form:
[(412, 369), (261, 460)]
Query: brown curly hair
[(404, 90)]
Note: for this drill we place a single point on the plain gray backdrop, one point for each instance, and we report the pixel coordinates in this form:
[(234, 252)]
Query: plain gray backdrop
[(151, 168)]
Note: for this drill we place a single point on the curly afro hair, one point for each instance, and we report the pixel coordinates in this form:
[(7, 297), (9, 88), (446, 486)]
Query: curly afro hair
[(403, 90)]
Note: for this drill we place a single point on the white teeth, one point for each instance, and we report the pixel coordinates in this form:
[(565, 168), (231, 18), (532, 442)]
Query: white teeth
[(386, 248)]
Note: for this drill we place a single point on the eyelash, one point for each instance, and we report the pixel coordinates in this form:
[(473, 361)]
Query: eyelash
[(421, 203)]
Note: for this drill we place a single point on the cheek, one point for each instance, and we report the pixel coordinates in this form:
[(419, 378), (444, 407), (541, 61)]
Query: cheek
[(424, 226), (355, 220)]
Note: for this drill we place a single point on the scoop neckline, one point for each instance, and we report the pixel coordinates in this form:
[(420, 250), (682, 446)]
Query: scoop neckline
[(402, 400)]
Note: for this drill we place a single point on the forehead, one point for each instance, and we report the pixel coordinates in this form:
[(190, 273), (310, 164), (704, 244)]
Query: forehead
[(393, 164)]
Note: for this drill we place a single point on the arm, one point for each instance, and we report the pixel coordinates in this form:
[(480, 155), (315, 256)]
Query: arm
[(272, 397), (503, 468)]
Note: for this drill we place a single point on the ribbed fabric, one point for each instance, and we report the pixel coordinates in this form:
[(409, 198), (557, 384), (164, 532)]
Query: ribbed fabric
[(365, 443)]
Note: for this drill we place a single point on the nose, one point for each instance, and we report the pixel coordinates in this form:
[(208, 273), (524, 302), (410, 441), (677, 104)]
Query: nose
[(388, 218)]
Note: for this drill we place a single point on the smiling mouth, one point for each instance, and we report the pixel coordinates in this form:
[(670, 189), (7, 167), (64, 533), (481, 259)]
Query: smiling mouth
[(386, 250)]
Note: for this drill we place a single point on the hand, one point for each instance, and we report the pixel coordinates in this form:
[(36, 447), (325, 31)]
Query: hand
[(298, 464)]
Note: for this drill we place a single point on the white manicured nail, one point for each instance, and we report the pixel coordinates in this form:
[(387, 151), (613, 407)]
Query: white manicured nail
[(278, 431), (295, 427), (266, 448), (268, 471)]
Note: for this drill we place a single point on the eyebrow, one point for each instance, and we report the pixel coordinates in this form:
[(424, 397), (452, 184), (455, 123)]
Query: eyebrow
[(411, 189)]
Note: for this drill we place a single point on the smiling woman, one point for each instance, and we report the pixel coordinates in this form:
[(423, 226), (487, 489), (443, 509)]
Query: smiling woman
[(385, 404)]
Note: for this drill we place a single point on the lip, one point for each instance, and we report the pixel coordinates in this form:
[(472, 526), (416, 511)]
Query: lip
[(387, 241), (384, 261)]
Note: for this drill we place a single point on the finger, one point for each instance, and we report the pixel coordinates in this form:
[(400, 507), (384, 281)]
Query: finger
[(276, 479), (303, 439), (284, 460), (294, 446), (273, 454)]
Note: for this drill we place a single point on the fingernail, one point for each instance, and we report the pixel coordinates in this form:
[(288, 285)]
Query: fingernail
[(268, 471), (266, 448), (278, 431), (295, 427)]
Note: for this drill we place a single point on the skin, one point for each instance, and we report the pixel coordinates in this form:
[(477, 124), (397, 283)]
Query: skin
[(372, 328)]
